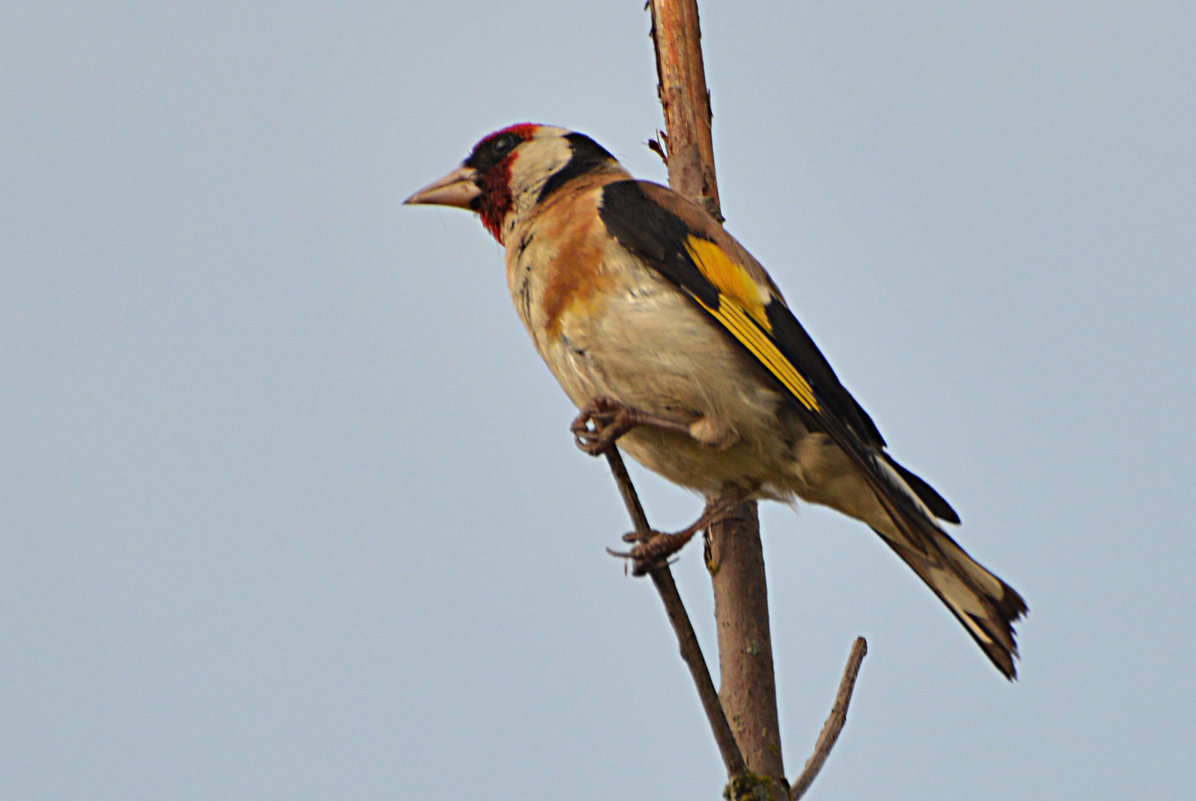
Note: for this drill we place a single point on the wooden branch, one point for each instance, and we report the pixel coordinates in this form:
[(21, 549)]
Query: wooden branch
[(681, 86), (748, 683), (834, 723), (687, 638)]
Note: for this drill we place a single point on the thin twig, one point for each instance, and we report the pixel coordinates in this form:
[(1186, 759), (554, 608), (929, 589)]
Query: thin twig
[(687, 639), (657, 146), (834, 723), (631, 498)]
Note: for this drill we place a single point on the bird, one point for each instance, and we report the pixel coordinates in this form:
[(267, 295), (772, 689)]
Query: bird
[(671, 338)]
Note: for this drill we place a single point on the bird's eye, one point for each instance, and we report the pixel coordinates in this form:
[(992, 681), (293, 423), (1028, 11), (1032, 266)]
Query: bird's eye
[(493, 151), (505, 142)]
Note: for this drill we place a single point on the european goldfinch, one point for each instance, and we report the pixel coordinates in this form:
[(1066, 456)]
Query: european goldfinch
[(637, 299)]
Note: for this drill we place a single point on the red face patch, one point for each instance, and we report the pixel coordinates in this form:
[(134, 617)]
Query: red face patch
[(493, 158)]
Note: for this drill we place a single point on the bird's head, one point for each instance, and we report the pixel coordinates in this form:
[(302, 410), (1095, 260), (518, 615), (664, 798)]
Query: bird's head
[(511, 170)]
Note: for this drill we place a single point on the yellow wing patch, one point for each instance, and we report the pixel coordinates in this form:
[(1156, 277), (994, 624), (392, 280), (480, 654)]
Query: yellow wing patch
[(729, 277), (741, 311)]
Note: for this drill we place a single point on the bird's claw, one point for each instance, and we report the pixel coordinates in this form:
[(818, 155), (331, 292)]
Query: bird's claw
[(601, 422), (649, 553), (657, 546)]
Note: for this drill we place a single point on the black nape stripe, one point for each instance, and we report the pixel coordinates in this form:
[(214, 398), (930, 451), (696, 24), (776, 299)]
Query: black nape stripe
[(587, 156)]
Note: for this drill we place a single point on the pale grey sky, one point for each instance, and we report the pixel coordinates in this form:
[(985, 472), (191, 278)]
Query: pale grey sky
[(289, 508)]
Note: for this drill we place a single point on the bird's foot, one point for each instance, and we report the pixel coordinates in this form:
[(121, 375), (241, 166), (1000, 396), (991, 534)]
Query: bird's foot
[(659, 546), (603, 420)]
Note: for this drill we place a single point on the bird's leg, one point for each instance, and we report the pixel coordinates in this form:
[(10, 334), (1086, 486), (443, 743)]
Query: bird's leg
[(660, 546), (603, 420)]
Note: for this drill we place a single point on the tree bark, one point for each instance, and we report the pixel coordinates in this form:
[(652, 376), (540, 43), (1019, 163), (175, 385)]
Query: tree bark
[(747, 682)]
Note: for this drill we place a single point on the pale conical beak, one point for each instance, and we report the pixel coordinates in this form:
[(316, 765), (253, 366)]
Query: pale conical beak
[(455, 189)]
